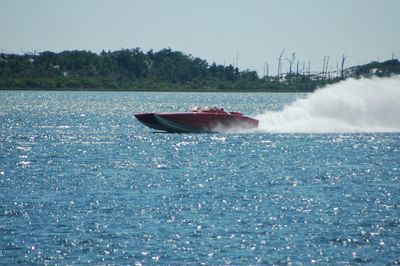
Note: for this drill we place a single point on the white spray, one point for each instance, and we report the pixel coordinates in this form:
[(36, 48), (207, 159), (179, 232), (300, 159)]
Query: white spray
[(363, 105)]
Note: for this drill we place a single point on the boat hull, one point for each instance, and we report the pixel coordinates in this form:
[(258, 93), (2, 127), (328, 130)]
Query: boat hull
[(197, 122)]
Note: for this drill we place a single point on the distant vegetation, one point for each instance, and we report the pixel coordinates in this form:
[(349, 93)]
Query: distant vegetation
[(133, 69)]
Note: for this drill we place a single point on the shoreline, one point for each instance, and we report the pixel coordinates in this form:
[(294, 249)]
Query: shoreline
[(154, 90), (188, 91)]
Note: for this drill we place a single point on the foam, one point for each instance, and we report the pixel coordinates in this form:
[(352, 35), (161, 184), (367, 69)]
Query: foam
[(362, 105)]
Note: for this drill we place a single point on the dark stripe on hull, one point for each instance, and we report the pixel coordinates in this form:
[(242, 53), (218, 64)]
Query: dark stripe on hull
[(178, 128), (196, 122), (150, 121)]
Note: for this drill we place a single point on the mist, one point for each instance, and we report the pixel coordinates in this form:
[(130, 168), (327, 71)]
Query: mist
[(362, 105)]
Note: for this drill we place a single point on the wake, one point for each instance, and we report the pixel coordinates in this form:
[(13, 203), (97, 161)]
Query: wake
[(363, 105)]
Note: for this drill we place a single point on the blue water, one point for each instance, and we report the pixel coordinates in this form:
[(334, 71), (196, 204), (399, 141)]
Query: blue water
[(82, 182)]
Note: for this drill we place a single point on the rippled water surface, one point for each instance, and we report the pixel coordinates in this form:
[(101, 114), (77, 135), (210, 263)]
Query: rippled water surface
[(81, 181)]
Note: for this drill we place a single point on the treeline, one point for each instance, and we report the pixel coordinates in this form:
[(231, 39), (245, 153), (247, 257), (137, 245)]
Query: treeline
[(133, 69)]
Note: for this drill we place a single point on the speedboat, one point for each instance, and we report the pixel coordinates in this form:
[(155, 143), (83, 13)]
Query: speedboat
[(198, 120)]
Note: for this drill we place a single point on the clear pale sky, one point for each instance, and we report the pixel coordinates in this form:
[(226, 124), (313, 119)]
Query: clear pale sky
[(215, 30)]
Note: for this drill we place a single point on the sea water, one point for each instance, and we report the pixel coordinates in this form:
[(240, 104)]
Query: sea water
[(83, 182)]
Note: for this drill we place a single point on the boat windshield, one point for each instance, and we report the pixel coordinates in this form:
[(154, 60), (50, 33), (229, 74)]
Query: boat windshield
[(207, 109)]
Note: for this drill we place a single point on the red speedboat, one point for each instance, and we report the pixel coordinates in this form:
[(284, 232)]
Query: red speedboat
[(198, 120)]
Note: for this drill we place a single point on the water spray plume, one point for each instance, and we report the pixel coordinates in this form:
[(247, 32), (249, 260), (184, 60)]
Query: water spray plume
[(363, 105)]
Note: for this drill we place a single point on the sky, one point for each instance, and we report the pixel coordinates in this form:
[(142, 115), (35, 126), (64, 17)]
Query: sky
[(253, 31)]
